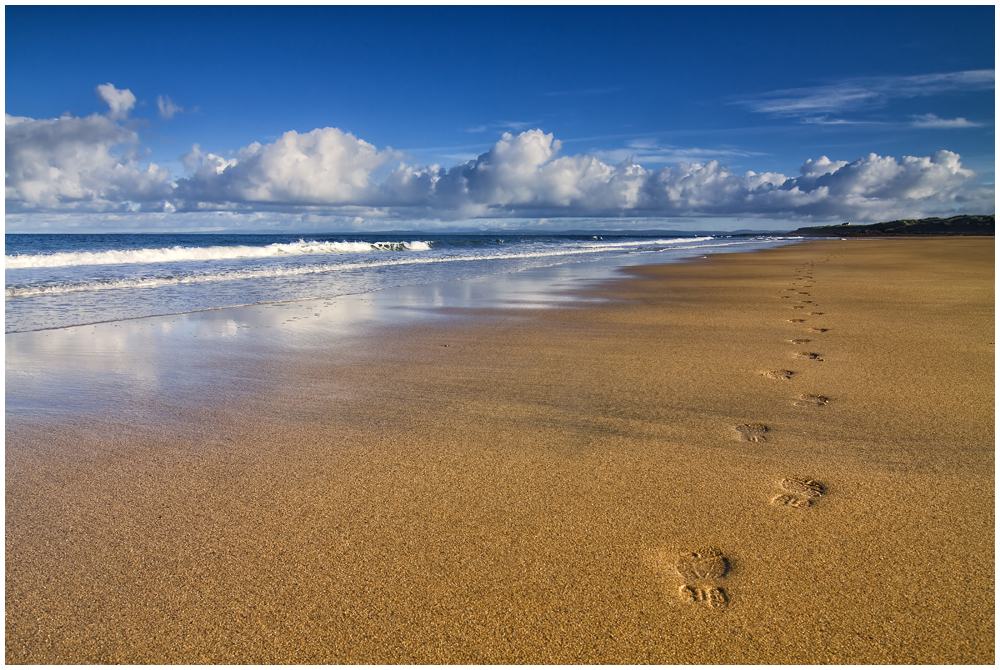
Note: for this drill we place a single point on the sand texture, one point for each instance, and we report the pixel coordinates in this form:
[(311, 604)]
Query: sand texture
[(777, 457)]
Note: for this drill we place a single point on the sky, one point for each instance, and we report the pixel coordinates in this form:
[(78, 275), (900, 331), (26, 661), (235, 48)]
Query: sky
[(328, 118)]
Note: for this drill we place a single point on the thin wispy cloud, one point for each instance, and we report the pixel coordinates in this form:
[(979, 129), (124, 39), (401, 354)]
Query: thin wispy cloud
[(865, 92), (515, 126), (827, 121), (647, 151)]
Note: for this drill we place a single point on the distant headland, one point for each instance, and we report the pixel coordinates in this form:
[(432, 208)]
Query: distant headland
[(956, 225)]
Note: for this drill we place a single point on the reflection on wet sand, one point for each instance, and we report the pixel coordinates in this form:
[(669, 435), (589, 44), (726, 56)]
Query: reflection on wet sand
[(187, 358)]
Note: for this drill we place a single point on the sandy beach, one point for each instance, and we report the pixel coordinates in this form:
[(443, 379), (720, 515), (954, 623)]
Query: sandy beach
[(784, 456)]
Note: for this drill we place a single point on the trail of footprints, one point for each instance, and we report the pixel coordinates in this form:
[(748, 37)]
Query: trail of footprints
[(702, 569), (796, 492)]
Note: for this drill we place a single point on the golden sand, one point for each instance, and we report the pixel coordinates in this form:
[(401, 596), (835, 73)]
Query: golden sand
[(778, 457)]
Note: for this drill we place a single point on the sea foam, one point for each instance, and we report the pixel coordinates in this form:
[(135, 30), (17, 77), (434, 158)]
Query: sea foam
[(178, 253)]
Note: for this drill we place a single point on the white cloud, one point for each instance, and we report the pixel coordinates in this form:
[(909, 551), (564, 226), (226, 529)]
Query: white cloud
[(72, 163), (932, 121), (322, 167), (121, 101), (167, 107), (90, 164)]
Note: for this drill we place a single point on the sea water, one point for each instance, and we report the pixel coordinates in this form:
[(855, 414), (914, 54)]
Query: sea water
[(56, 281)]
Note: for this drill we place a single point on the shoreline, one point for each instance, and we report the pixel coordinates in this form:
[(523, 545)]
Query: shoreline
[(522, 487)]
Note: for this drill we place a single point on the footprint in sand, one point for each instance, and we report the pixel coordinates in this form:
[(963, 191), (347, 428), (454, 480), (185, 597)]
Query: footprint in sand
[(752, 432), (808, 356), (797, 307), (818, 330), (799, 493), (816, 313), (778, 374), (704, 565), (796, 321), (800, 341), (811, 400)]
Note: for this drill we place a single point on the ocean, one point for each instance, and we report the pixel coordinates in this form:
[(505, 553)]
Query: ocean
[(56, 281)]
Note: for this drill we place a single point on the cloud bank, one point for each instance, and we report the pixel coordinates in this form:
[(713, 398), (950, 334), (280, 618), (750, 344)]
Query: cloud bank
[(92, 164)]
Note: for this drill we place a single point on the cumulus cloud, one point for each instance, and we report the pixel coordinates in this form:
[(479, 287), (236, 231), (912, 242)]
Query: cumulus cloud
[(324, 167), (77, 163), (121, 101), (91, 164), (932, 121), (167, 107)]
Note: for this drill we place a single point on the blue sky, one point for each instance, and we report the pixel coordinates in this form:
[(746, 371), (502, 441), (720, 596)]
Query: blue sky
[(338, 118)]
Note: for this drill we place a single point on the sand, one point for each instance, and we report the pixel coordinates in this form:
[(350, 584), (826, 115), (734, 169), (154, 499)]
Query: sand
[(637, 479)]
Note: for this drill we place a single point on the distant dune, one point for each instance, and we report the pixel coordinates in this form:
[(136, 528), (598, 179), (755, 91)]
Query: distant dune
[(956, 225)]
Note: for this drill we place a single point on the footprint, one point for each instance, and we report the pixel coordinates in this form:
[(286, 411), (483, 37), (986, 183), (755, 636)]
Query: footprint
[(800, 493), (752, 432), (808, 488), (797, 307), (803, 293), (778, 374), (818, 330), (808, 356), (708, 564), (811, 400), (800, 341), (796, 321), (704, 564), (816, 313)]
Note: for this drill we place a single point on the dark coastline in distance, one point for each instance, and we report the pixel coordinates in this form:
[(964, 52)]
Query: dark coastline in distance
[(967, 224), (973, 224)]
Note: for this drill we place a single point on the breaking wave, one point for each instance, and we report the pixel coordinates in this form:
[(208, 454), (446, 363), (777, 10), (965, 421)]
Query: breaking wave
[(179, 253)]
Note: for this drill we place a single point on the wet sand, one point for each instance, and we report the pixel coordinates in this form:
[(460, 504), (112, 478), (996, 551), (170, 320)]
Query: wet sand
[(617, 482)]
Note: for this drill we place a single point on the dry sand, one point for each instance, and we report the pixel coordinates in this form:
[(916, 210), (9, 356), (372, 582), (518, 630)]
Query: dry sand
[(561, 486)]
